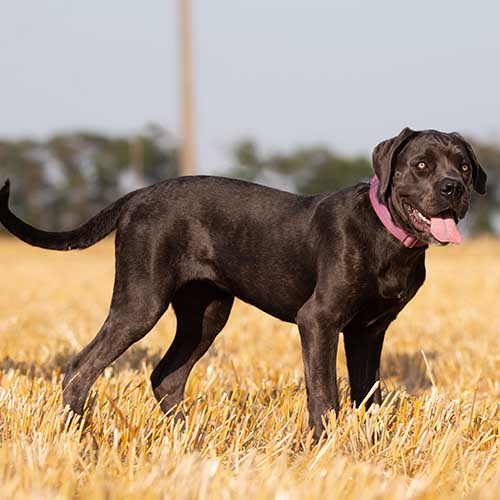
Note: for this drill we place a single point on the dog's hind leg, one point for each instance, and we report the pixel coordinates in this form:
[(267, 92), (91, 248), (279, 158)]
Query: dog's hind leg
[(202, 310), (142, 293)]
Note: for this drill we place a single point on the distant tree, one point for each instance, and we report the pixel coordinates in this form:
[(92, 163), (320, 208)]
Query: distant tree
[(312, 169), (318, 169), (24, 160), (485, 214), (64, 180)]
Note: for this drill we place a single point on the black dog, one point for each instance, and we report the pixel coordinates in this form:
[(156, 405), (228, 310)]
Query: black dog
[(325, 262)]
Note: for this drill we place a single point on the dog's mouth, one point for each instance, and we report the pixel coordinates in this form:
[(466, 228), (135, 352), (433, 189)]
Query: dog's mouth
[(441, 228)]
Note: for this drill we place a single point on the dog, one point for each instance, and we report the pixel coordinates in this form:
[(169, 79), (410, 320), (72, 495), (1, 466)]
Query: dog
[(346, 262)]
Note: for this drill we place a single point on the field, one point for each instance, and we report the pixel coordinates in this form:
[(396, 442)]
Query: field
[(436, 435)]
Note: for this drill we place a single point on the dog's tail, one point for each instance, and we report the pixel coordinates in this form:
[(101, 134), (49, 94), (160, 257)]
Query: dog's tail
[(84, 236)]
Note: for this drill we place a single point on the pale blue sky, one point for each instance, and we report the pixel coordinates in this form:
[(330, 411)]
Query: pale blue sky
[(285, 72)]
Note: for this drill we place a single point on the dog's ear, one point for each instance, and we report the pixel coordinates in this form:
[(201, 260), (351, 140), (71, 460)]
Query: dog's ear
[(383, 159), (478, 174)]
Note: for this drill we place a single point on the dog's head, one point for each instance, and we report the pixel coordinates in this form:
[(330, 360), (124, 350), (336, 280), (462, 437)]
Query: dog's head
[(426, 179)]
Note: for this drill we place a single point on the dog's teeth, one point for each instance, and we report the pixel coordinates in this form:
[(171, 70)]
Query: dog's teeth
[(417, 215), (422, 217)]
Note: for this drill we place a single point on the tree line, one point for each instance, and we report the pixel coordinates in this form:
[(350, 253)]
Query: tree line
[(61, 181)]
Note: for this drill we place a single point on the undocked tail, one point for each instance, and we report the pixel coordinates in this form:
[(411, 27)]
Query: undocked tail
[(85, 236)]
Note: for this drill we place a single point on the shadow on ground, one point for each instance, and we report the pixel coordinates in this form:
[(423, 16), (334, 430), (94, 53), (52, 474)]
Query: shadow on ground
[(133, 359), (408, 371)]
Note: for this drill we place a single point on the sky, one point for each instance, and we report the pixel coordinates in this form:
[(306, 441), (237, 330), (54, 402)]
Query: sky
[(287, 73)]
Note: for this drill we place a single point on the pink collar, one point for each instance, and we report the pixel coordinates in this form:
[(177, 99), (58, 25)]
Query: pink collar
[(385, 217)]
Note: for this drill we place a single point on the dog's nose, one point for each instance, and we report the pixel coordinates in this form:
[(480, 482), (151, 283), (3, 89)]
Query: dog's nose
[(451, 188)]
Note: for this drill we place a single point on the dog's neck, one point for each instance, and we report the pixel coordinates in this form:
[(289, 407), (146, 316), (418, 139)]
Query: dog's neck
[(384, 215)]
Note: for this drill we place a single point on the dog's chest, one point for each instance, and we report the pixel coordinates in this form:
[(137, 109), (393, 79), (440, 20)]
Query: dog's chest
[(390, 287), (398, 280)]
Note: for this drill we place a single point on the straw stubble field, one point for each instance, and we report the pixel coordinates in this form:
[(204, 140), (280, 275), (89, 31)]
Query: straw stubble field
[(436, 434)]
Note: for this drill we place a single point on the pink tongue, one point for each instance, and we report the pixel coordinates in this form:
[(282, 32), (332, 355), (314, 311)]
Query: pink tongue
[(445, 230)]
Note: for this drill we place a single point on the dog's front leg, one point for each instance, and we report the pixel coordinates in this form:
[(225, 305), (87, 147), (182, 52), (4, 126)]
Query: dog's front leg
[(363, 349), (319, 335)]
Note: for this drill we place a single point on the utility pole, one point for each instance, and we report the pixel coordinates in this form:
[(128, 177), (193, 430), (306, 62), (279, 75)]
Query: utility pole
[(136, 153), (188, 154)]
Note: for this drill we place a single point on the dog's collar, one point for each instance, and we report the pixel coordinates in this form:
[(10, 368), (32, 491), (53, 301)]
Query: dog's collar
[(384, 215)]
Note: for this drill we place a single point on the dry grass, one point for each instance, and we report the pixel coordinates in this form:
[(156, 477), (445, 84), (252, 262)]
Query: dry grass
[(436, 435)]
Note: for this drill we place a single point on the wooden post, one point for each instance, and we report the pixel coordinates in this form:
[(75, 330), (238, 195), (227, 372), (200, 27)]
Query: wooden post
[(137, 157), (188, 153)]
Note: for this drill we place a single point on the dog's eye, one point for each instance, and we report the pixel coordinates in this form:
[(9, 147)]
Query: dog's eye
[(465, 168), (421, 165)]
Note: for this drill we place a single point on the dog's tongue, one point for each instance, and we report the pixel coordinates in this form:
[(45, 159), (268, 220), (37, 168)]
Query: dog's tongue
[(445, 230)]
